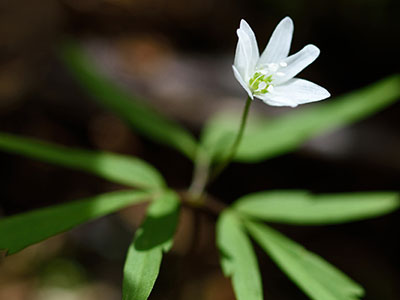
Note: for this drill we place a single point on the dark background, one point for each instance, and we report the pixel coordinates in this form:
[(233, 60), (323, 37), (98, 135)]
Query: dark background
[(178, 54)]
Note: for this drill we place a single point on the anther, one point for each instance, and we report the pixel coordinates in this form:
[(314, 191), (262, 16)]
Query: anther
[(262, 85)]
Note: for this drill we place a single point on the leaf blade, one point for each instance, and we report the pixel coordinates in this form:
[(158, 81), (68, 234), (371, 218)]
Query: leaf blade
[(282, 135), (20, 231), (238, 259), (125, 105), (220, 131), (303, 208), (145, 253), (312, 274), (118, 168)]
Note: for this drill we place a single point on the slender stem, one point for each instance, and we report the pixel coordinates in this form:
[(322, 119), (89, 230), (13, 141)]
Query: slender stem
[(219, 168), (200, 174)]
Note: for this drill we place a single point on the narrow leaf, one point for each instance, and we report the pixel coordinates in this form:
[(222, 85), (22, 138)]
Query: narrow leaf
[(238, 259), (218, 134), (22, 230), (124, 104), (118, 168), (286, 133), (315, 276), (144, 256), (220, 130), (303, 208)]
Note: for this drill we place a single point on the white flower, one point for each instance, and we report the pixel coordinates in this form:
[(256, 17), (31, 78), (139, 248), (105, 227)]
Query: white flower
[(269, 77)]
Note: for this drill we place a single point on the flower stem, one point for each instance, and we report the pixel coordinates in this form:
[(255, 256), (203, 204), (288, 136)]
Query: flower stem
[(200, 174), (225, 162)]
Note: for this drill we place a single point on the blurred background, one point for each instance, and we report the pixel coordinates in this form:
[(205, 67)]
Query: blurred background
[(177, 55)]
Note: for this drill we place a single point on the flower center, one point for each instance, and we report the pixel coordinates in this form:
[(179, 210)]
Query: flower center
[(260, 83)]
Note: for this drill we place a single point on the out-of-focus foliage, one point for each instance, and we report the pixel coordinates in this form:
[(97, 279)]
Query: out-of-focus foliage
[(118, 168), (124, 104), (23, 230), (268, 138), (315, 276), (303, 208), (152, 239), (219, 133), (287, 133), (237, 257)]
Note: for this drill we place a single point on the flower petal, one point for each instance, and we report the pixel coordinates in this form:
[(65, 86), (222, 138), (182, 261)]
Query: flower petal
[(276, 100), (297, 62), (279, 44), (242, 82), (298, 91), (247, 54)]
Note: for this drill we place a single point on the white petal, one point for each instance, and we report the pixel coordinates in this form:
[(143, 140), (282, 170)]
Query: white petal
[(298, 91), (279, 43), (247, 54), (242, 82), (272, 100), (297, 62), (255, 54)]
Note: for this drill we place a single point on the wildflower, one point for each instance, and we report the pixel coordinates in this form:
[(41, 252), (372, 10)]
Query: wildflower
[(269, 77)]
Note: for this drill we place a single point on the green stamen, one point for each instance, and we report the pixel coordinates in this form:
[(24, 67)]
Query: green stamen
[(257, 79)]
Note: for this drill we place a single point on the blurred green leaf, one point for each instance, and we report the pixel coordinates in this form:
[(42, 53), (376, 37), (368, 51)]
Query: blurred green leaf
[(64, 273), (154, 237), (218, 134), (266, 138), (315, 276), (286, 133), (121, 169), (22, 230), (238, 259), (125, 105), (303, 208), (220, 131)]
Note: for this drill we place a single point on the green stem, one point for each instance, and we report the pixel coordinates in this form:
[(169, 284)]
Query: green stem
[(200, 174), (224, 163)]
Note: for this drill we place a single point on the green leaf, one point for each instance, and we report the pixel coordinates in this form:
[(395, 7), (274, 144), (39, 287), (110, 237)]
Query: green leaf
[(288, 132), (121, 169), (22, 230), (315, 276), (238, 260), (218, 134), (303, 208), (154, 237), (124, 104), (220, 131)]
